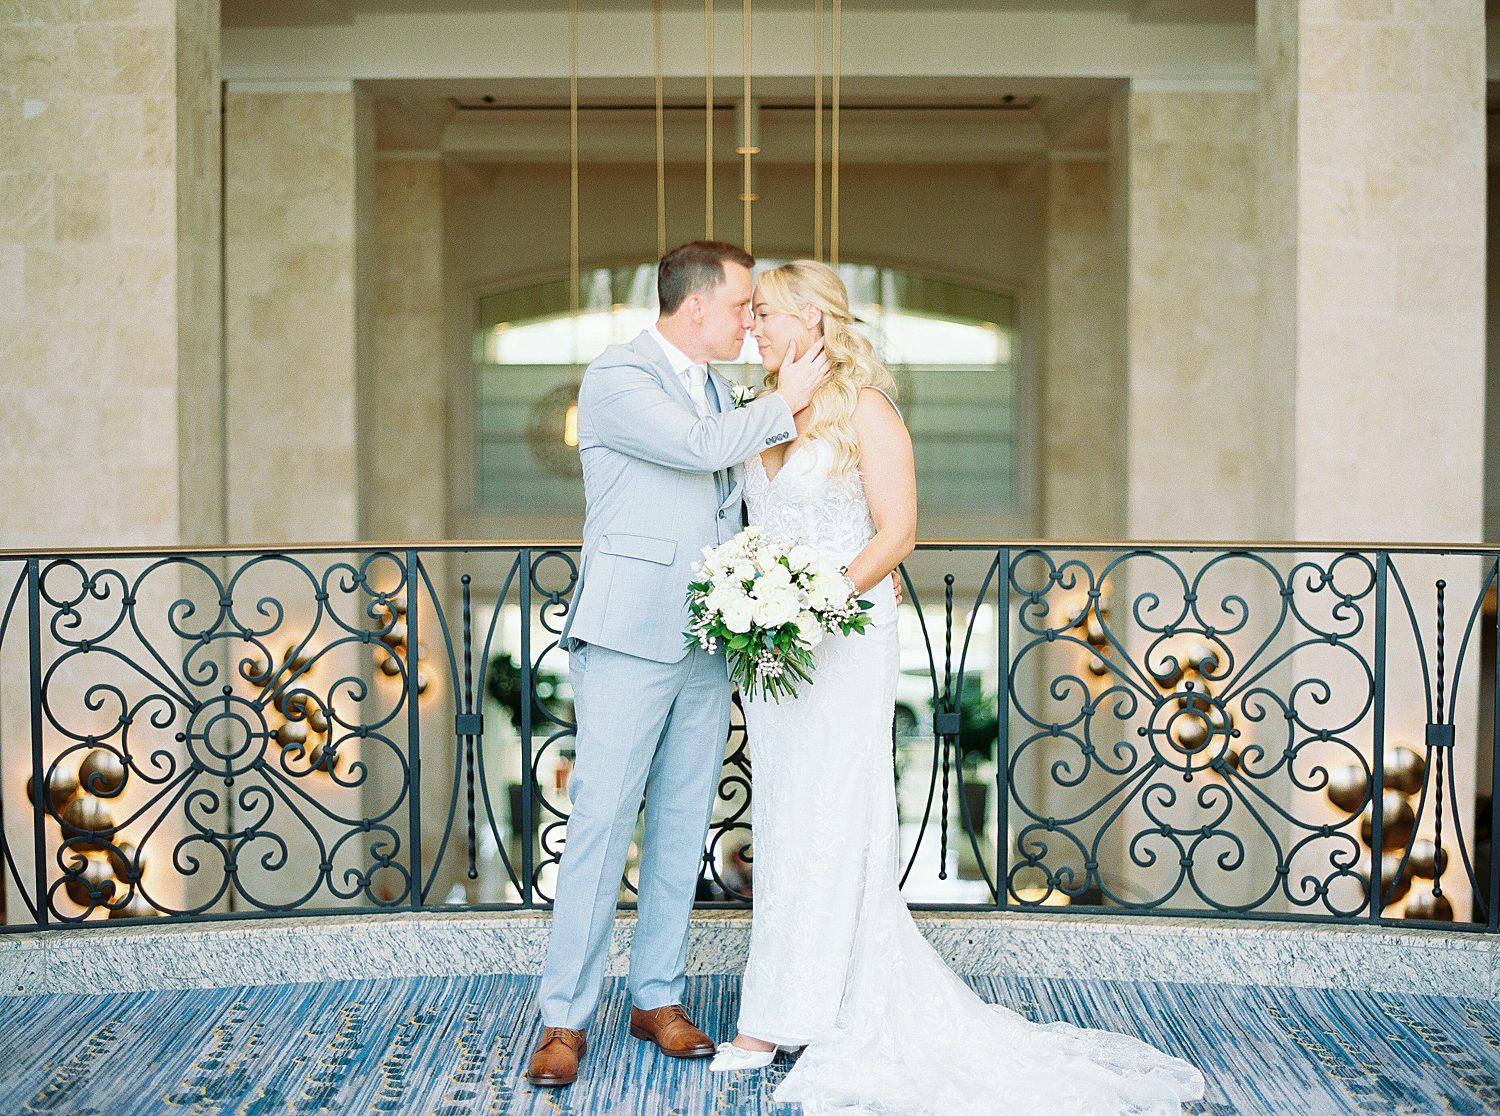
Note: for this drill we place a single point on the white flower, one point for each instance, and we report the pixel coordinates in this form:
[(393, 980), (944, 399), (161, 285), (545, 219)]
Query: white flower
[(809, 631), (801, 557), (776, 577), (725, 595), (739, 615), (743, 571), (776, 609), (741, 394), (825, 592)]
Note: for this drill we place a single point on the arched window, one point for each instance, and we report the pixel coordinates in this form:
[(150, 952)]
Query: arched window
[(950, 346)]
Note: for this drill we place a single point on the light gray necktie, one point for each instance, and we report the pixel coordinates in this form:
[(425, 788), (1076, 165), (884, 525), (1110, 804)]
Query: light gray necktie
[(698, 379), (703, 401)]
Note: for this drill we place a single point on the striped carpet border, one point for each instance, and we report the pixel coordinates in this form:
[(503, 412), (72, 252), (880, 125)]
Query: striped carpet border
[(458, 1045)]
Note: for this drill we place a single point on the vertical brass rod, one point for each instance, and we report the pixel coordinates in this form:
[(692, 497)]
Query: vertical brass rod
[(833, 201), (573, 265), (818, 131), (745, 149), (661, 146), (708, 119)]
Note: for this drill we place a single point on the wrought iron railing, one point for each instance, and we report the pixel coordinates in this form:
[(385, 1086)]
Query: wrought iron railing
[(1209, 730)]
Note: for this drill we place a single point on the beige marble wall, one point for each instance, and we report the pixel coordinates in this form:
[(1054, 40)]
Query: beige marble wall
[(1373, 139), (1196, 465), (407, 493), (1388, 149), (292, 342), (107, 216), (1083, 384)]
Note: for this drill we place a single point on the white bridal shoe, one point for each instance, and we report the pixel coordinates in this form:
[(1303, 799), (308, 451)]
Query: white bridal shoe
[(731, 1058)]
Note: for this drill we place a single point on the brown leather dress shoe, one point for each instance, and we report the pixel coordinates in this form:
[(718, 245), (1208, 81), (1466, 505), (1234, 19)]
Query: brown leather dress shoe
[(557, 1056), (672, 1031)]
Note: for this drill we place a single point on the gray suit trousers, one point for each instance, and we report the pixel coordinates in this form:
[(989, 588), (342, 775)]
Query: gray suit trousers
[(649, 728)]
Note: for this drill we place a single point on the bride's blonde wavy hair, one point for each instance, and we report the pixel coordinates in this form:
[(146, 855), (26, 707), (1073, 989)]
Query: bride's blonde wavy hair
[(852, 363)]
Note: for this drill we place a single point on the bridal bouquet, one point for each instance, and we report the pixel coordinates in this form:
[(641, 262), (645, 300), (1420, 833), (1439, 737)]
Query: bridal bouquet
[(769, 603)]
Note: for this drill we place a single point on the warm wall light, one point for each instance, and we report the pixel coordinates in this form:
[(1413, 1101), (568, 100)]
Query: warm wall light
[(570, 426)]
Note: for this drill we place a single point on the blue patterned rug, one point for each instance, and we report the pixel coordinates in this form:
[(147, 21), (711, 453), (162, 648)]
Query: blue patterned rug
[(458, 1045)]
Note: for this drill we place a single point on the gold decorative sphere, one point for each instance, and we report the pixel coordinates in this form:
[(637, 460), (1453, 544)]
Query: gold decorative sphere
[(87, 815), (1393, 887), (137, 906), (1347, 787), (421, 681), (293, 732), (322, 758), (1097, 666), (1093, 630), (61, 786), (390, 666), (1427, 860), (124, 858), (295, 659), (1429, 907), (309, 709), (1396, 821), (1196, 699), (1203, 658), (396, 637), (1405, 770), (1168, 670), (102, 773), (1190, 732), (94, 884)]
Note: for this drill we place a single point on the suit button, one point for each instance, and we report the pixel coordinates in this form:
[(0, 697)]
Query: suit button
[(721, 513)]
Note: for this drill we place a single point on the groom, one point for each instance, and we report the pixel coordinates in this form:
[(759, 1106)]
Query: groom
[(660, 442)]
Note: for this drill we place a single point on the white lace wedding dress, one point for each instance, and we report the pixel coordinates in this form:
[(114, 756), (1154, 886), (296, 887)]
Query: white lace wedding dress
[(836, 962)]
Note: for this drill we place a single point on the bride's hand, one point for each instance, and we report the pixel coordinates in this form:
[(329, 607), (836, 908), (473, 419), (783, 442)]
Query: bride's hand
[(800, 376)]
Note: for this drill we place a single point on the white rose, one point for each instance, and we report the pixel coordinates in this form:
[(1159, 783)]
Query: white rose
[(809, 631), (726, 596), (775, 609), (739, 615), (775, 578), (801, 557), (743, 571)]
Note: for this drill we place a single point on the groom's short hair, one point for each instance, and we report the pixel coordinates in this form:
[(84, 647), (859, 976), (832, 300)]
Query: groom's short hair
[(698, 266)]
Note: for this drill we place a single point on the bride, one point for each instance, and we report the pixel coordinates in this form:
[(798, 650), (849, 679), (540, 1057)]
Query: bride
[(836, 963)]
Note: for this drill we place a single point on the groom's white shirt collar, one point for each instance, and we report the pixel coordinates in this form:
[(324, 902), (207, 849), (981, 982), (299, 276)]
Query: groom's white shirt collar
[(679, 360)]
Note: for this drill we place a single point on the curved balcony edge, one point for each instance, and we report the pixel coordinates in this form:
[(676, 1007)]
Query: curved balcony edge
[(300, 950)]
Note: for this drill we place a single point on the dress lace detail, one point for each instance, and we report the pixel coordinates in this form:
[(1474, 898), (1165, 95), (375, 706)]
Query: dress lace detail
[(836, 962)]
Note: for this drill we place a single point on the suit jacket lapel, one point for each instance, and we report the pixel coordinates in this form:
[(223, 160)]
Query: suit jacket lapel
[(647, 348)]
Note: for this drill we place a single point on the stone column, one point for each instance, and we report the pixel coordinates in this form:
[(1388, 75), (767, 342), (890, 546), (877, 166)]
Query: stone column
[(408, 413), (1375, 183), (109, 233), (109, 338), (298, 165), (1083, 377), (1197, 468), (1374, 152)]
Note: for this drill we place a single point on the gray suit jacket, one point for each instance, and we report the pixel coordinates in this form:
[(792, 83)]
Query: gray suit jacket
[(659, 484)]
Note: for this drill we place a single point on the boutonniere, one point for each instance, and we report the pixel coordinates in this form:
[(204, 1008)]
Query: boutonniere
[(741, 394)]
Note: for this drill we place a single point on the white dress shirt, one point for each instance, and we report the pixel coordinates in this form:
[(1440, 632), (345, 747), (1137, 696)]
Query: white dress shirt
[(694, 376)]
